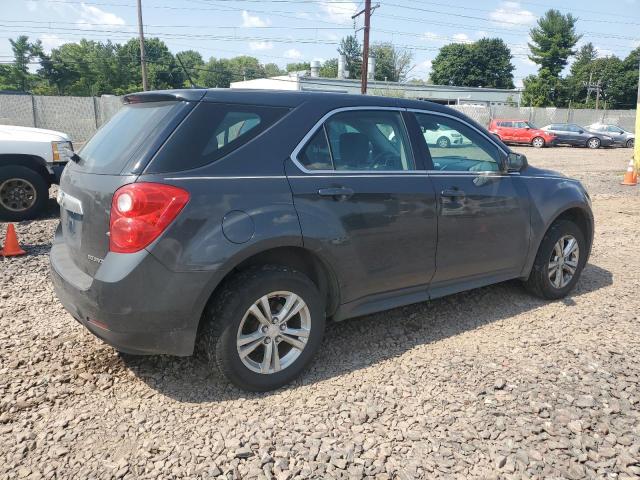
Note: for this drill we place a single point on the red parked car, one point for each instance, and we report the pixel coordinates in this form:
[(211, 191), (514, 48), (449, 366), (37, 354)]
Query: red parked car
[(521, 131)]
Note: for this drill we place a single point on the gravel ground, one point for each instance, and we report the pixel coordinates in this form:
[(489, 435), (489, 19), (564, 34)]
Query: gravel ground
[(490, 383)]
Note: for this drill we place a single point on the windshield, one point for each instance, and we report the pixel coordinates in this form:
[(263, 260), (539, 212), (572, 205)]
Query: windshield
[(129, 136)]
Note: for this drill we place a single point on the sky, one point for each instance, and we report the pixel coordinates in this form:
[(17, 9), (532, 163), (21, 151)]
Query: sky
[(284, 31)]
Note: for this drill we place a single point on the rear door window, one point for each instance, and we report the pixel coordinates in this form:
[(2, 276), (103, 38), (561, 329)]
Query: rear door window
[(136, 131), (360, 140), (212, 131)]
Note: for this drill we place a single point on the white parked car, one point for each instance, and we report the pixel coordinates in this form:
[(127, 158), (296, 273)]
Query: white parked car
[(444, 137), (31, 160), (620, 136)]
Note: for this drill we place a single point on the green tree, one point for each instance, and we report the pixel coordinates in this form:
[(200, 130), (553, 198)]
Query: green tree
[(392, 63), (193, 63), (543, 90), (329, 68), (216, 73), (452, 65), (630, 99), (163, 71), (485, 63), (273, 70), (24, 51), (298, 66), (351, 49), (553, 40)]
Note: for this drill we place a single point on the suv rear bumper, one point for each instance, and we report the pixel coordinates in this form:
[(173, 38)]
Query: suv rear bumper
[(138, 307)]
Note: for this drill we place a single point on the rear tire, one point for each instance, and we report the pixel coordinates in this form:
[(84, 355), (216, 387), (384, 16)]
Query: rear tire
[(541, 279), (593, 143), (23, 193), (231, 327), (538, 142)]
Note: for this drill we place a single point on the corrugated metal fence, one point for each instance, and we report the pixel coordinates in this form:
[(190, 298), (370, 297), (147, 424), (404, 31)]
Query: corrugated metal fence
[(81, 116)]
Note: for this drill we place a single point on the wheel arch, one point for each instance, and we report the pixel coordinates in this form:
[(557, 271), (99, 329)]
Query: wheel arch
[(35, 163), (577, 213), (296, 257)]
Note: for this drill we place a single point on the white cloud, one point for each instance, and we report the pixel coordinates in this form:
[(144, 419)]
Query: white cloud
[(461, 37), (481, 34), (293, 54), (431, 37), (604, 52), (251, 21), (511, 15), (50, 41), (339, 12), (93, 17), (32, 6), (260, 46)]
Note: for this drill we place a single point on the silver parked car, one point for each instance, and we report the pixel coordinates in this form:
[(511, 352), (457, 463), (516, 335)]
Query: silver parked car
[(620, 136)]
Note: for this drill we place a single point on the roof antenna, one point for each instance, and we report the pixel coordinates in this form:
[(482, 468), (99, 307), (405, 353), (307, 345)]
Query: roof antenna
[(193, 85)]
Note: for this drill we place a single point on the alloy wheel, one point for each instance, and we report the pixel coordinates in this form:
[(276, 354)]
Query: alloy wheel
[(17, 194), (273, 332), (538, 142), (563, 261), (593, 143)]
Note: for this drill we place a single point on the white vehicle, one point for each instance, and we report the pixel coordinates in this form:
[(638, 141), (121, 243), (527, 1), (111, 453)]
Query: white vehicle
[(444, 137), (31, 160)]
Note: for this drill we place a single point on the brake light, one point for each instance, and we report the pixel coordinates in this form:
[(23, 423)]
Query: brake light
[(140, 212)]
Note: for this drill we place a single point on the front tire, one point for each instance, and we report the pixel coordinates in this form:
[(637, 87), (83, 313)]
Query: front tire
[(630, 143), (538, 142), (23, 193), (559, 262), (593, 143), (443, 142), (256, 349)]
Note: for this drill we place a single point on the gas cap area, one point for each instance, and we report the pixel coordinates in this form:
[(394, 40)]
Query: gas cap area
[(237, 226)]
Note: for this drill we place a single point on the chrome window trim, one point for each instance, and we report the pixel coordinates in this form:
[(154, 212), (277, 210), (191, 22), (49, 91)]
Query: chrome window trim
[(320, 123)]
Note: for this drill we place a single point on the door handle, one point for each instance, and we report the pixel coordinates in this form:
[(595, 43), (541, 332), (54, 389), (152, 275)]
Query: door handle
[(452, 192), (336, 192)]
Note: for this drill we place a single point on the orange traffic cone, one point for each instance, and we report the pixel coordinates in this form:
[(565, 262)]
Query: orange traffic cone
[(630, 176), (11, 245)]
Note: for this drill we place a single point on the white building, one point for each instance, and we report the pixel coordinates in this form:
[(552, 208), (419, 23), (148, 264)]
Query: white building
[(445, 94)]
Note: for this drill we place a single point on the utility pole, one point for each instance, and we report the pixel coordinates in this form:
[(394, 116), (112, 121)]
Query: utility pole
[(365, 44), (636, 148), (143, 62), (593, 87)]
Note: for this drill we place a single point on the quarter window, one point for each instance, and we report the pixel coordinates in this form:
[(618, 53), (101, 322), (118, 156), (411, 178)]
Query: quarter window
[(369, 140), (456, 147)]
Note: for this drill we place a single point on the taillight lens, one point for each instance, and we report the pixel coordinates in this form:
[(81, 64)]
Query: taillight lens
[(140, 212)]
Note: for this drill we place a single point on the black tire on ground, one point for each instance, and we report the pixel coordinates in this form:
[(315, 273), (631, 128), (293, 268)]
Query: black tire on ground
[(538, 142), (538, 282), (218, 337), (36, 185), (630, 143), (593, 143)]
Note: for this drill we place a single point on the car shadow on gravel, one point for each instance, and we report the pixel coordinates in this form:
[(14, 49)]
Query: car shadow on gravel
[(361, 342)]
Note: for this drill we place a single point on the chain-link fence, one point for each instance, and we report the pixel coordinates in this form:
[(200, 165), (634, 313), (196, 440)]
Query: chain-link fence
[(79, 117)]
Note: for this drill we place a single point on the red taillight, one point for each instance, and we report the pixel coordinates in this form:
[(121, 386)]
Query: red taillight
[(140, 212)]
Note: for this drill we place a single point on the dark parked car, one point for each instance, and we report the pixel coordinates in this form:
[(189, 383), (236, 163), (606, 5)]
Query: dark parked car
[(577, 136), (241, 220), (620, 136)]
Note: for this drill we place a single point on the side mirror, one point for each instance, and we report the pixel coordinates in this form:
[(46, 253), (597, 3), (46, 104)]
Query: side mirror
[(515, 162), (580, 131)]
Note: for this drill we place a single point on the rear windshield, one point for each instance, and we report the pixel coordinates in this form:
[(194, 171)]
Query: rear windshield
[(130, 136), (212, 131)]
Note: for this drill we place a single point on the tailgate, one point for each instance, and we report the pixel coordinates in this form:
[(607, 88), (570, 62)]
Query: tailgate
[(85, 206)]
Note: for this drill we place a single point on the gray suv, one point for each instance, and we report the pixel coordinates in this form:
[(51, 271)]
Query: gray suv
[(240, 221)]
